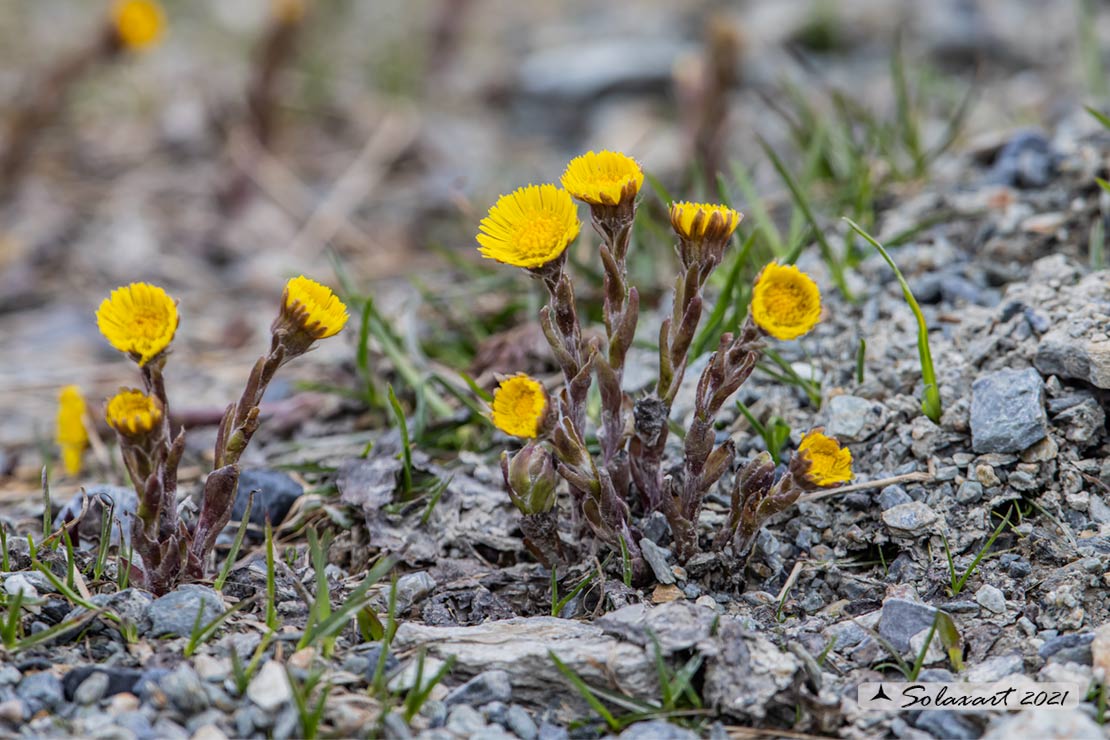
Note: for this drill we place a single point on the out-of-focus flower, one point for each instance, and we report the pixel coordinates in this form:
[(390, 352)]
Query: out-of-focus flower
[(703, 230), (71, 435), (133, 414), (530, 227), (829, 463), (289, 12), (138, 24), (603, 178), (785, 302), (520, 406), (138, 319), (312, 308)]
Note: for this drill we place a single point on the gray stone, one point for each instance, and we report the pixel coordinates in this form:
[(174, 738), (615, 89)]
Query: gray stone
[(274, 494), (176, 613), (520, 646), (92, 689), (657, 729), (969, 492), (901, 619), (269, 689), (185, 689), (412, 588), (395, 727), (520, 723), (1007, 411), (1045, 724), (746, 670), (465, 721), (550, 731), (1100, 512), (482, 689), (41, 691), (656, 557), (1083, 423), (991, 598), (994, 668), (1069, 356), (675, 626), (892, 496), (910, 519), (947, 725), (854, 419), (1068, 649), (9, 675), (656, 528), (119, 680)]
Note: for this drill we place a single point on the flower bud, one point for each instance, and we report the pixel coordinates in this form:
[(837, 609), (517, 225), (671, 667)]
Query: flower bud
[(530, 476)]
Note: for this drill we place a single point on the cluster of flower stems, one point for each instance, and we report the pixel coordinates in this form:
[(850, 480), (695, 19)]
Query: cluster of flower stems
[(141, 320), (629, 469)]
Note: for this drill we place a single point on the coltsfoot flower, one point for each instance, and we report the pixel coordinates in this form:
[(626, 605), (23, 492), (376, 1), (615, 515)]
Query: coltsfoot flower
[(530, 227), (520, 406), (138, 319), (71, 435), (786, 303), (315, 307), (603, 178), (829, 463), (704, 230), (133, 414), (530, 476), (138, 24)]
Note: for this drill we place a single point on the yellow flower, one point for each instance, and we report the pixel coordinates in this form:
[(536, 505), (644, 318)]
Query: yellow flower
[(704, 221), (603, 178), (829, 463), (139, 319), (71, 436), (138, 23), (288, 12), (313, 308), (529, 227), (785, 302), (519, 406), (133, 413)]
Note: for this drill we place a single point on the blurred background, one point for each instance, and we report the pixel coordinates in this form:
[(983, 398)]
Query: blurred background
[(361, 142)]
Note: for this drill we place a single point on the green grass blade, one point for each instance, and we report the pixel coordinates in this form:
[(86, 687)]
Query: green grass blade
[(585, 691), (930, 402)]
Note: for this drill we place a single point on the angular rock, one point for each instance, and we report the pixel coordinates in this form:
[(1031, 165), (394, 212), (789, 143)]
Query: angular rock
[(1007, 411), (269, 689), (745, 671), (913, 518), (854, 419), (991, 598), (678, 625), (482, 689), (656, 557), (520, 646), (1069, 356), (901, 619), (1073, 648), (274, 494), (176, 612), (41, 691)]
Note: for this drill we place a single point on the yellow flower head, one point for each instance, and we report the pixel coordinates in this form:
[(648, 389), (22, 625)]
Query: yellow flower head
[(139, 319), (288, 12), (530, 227), (603, 178), (133, 413), (519, 406), (785, 302), (71, 436), (829, 463), (313, 308), (704, 221), (138, 23)]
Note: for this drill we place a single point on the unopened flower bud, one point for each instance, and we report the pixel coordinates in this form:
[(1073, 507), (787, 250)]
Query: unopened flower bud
[(530, 476)]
